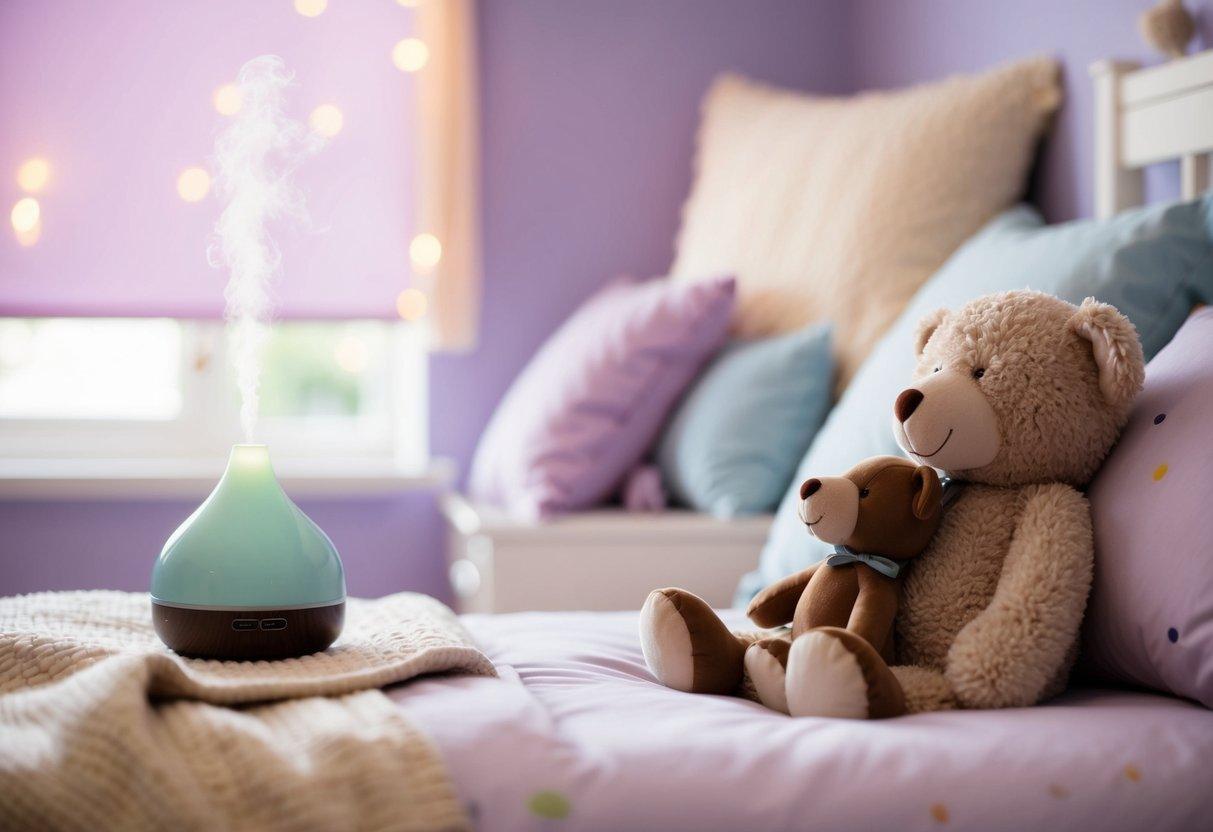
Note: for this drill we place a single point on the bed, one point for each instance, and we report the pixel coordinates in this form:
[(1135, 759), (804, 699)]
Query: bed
[(577, 734), (577, 729)]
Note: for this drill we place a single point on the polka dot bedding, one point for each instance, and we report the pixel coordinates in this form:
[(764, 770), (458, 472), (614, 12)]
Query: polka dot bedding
[(576, 734), (1150, 620)]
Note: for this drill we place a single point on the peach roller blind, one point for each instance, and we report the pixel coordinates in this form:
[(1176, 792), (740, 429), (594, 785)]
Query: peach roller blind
[(447, 196)]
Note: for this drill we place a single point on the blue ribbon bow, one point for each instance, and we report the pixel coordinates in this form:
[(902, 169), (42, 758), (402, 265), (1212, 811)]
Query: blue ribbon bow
[(844, 555)]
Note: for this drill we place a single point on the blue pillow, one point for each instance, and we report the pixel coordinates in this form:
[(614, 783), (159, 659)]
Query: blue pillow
[(734, 442), (1152, 263)]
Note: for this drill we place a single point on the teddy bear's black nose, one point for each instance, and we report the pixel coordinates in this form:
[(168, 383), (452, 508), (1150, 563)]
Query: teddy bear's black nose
[(808, 488), (907, 403)]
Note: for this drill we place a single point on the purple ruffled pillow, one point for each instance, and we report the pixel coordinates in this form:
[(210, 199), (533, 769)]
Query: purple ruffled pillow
[(1150, 621), (594, 397)]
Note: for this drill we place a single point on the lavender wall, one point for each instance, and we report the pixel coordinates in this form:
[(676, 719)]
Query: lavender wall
[(386, 544), (589, 112), (917, 40)]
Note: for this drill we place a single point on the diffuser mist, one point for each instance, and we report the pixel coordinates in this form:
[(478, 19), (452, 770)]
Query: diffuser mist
[(248, 575)]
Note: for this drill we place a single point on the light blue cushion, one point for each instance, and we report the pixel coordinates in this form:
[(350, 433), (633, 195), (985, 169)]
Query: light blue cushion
[(1152, 263), (735, 440)]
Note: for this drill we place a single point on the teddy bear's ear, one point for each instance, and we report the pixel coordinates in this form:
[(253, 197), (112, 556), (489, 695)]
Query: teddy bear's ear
[(928, 492), (1116, 348), (926, 328)]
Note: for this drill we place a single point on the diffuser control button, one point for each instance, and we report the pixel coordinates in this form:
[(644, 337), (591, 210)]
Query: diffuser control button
[(244, 623), (273, 623)]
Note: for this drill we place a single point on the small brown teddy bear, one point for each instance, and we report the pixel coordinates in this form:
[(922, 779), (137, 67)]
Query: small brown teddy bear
[(878, 515)]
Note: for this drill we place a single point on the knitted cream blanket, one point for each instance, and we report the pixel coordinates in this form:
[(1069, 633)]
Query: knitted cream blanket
[(102, 727)]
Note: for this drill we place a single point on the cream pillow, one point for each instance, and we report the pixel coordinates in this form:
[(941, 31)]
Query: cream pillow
[(839, 208)]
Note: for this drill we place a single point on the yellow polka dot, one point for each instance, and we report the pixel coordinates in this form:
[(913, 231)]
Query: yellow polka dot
[(1160, 472), (1132, 772), (549, 804), (1059, 791), (939, 812)]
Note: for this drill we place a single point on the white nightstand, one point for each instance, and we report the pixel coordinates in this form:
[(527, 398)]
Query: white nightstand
[(598, 560)]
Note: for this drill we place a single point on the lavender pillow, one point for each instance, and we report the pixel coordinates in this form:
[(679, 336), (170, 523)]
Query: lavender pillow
[(1150, 621), (592, 400)]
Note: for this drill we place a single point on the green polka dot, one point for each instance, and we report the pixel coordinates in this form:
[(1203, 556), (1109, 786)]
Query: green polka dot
[(549, 804)]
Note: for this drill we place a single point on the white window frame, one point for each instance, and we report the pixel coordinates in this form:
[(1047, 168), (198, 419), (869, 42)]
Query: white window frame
[(132, 457)]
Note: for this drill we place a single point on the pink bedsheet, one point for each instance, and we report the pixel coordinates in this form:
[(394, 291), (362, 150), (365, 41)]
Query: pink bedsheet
[(576, 734)]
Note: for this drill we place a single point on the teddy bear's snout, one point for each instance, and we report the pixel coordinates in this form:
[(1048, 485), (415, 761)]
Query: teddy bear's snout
[(947, 422), (907, 402), (829, 506)]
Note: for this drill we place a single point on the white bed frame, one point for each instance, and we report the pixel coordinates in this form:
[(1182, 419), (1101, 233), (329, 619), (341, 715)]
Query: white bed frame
[(1143, 116)]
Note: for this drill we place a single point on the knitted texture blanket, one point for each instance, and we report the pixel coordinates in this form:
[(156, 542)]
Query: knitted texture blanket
[(102, 727)]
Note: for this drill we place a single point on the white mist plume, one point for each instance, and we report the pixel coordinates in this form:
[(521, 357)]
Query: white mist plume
[(255, 157)]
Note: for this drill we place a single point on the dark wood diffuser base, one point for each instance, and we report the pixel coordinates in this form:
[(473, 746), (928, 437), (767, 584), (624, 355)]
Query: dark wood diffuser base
[(248, 635)]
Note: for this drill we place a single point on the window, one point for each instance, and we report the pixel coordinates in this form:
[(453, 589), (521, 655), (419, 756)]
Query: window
[(90, 369), (139, 388), (112, 342)]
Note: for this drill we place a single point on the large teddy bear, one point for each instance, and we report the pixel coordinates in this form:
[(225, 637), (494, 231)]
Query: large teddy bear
[(1018, 397)]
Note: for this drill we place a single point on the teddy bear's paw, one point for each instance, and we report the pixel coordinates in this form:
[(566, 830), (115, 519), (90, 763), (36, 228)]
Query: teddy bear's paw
[(764, 663), (686, 646), (824, 678), (665, 641), (834, 672)]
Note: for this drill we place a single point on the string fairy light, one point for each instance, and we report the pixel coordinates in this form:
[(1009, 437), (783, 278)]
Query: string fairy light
[(410, 55), (425, 251), (412, 304)]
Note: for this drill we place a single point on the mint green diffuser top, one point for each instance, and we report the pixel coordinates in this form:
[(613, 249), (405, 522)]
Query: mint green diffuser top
[(248, 575)]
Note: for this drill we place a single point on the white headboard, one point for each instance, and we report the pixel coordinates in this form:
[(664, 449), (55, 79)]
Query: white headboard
[(1151, 115)]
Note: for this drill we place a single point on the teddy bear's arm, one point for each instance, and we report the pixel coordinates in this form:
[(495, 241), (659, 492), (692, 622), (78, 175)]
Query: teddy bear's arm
[(875, 607), (1020, 643), (775, 605)]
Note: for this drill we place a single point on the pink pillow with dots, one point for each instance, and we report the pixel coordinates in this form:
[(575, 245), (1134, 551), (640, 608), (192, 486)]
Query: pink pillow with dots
[(1150, 620)]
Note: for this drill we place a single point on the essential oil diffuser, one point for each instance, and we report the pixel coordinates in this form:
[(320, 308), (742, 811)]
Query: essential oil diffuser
[(248, 575)]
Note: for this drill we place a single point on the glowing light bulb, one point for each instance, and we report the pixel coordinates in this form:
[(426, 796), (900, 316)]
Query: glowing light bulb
[(326, 120), (411, 304), (193, 184), (352, 354), (26, 215), (33, 175), (410, 55), (311, 8), (425, 251), (228, 100)]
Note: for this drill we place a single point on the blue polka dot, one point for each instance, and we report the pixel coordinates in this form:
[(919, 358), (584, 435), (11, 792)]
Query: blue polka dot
[(1172, 635), (1158, 420)]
